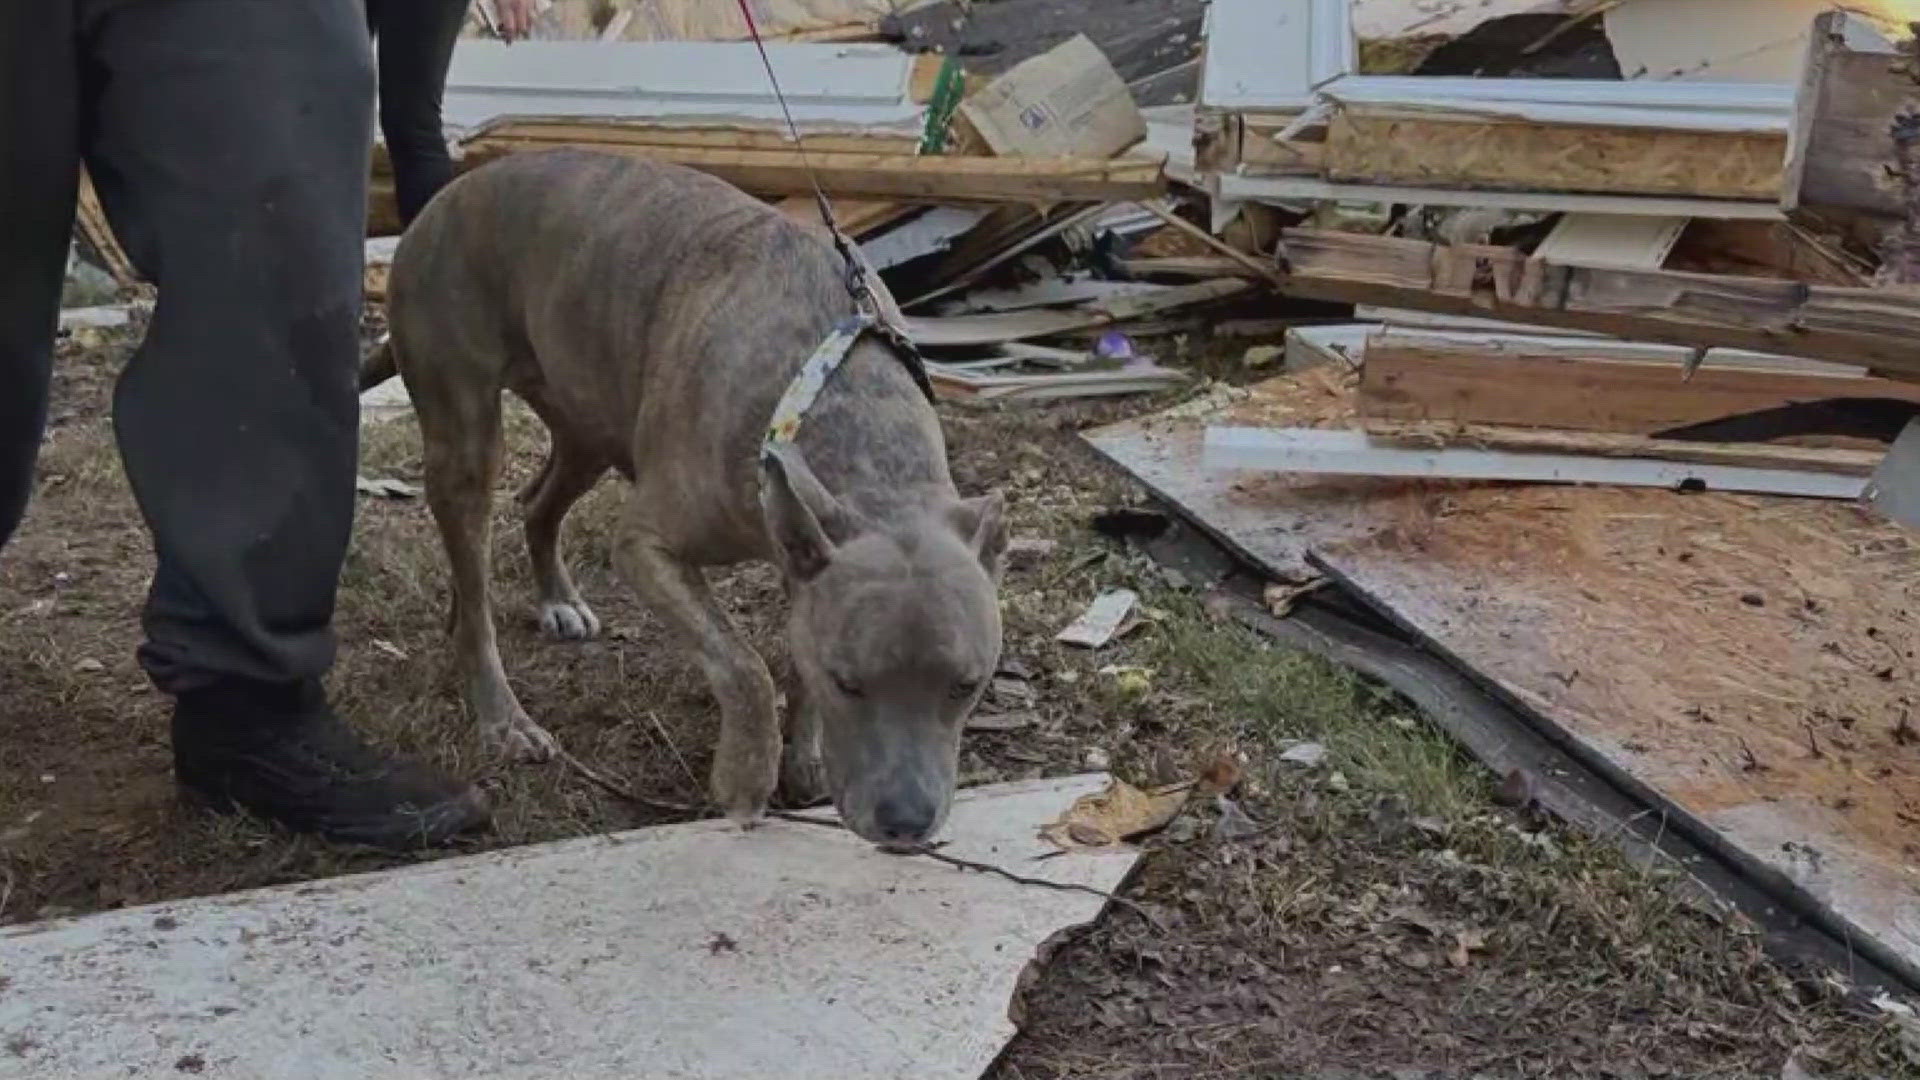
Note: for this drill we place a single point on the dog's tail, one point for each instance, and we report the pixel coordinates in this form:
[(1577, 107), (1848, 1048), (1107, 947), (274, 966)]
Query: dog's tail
[(378, 366)]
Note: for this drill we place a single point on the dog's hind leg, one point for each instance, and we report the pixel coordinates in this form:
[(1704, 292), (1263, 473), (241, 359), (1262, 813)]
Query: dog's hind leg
[(460, 428), (570, 472), (747, 761)]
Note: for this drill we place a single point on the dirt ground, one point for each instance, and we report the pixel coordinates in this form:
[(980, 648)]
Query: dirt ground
[(1380, 917)]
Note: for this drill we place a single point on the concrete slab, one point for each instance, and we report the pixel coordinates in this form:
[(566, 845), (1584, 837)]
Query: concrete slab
[(674, 952)]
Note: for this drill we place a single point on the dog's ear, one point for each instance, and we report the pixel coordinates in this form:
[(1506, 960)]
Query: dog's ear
[(806, 521), (982, 520)]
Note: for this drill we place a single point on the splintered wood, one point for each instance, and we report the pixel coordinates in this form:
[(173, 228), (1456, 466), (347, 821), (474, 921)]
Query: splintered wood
[(1751, 659)]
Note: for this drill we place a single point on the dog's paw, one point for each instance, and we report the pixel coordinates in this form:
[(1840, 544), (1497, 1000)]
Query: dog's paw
[(803, 776), (743, 794), (522, 740), (568, 620)]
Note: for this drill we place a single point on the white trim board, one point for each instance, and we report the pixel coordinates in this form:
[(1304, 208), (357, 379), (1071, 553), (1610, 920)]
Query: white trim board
[(848, 85), (1352, 453), (1287, 55), (1282, 189)]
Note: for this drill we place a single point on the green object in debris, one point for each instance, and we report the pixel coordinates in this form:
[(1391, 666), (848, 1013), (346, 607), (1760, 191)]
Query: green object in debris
[(947, 87)]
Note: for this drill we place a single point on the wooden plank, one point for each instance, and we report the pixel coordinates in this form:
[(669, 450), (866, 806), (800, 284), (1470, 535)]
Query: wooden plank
[(1290, 189), (1395, 147), (891, 176), (1612, 240), (1354, 453), (1841, 135), (1578, 387), (92, 218), (1416, 435), (723, 136), (1874, 328)]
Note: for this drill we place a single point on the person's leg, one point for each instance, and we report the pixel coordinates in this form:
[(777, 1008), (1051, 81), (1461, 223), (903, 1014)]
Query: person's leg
[(39, 113), (229, 140), (416, 39)]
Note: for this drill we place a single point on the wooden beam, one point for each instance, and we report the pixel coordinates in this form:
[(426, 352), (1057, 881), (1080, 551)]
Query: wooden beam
[(1873, 328), (1842, 142), (1607, 444), (1398, 148), (905, 177), (1577, 386), (739, 135)]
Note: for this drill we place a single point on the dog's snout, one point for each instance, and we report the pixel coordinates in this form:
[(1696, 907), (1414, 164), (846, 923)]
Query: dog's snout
[(906, 818)]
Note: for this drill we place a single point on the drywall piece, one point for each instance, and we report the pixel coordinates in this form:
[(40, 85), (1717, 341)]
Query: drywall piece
[(1634, 243), (1697, 41), (1353, 453), (1293, 189), (831, 85), (681, 951), (1259, 55)]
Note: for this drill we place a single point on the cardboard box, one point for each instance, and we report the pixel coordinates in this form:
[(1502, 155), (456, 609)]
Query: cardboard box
[(1067, 102)]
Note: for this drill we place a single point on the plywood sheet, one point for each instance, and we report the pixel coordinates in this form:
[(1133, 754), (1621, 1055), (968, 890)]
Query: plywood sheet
[(1750, 659), (1670, 633), (1375, 147)]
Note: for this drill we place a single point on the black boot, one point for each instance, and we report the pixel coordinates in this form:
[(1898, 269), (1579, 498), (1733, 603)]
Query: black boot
[(279, 752)]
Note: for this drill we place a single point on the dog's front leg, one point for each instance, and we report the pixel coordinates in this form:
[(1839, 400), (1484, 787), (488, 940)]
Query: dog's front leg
[(803, 768), (746, 764)]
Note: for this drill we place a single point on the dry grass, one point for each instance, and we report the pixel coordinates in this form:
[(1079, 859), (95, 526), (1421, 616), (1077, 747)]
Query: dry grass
[(1335, 943)]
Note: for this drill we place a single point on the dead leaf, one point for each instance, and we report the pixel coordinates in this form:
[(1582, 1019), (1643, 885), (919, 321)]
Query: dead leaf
[(1220, 777), (89, 664), (1793, 1070), (1120, 812), (390, 648), (1281, 598)]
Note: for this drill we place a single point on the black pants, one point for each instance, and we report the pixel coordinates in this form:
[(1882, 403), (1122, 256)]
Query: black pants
[(416, 39), (229, 141)]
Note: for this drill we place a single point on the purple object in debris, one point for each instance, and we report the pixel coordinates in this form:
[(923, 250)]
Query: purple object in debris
[(1113, 345)]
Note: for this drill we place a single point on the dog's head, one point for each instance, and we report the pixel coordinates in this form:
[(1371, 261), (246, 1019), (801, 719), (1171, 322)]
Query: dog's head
[(894, 633)]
